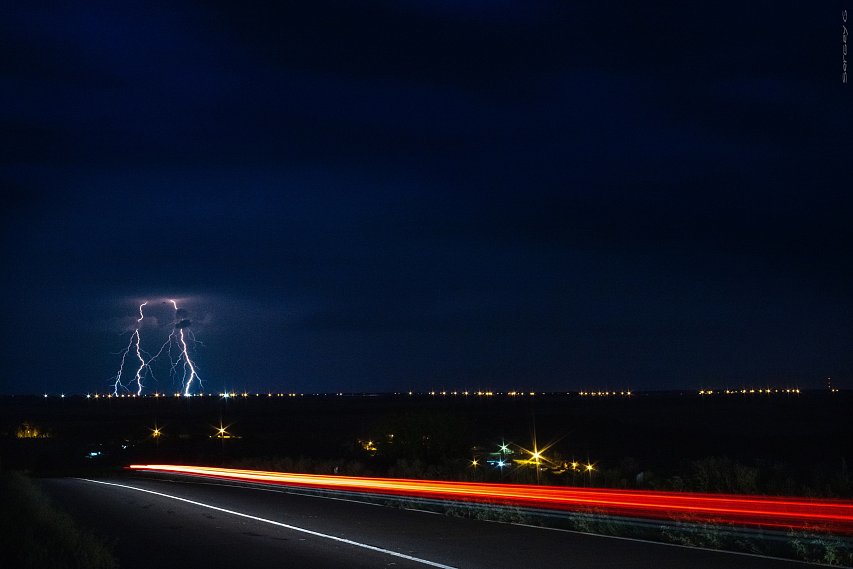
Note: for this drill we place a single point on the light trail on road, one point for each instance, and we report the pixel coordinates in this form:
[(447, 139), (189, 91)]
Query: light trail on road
[(803, 514)]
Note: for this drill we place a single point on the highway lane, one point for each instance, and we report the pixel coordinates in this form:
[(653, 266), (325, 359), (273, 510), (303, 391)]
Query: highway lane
[(170, 523)]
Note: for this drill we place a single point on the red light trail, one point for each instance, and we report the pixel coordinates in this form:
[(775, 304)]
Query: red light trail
[(814, 515)]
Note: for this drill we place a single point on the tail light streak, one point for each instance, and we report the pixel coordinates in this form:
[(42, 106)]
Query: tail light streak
[(815, 515)]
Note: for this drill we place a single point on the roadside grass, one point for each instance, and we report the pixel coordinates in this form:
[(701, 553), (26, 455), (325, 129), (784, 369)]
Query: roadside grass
[(34, 534), (829, 549)]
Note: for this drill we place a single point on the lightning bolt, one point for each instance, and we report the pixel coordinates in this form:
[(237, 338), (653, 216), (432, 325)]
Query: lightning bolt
[(177, 338), (142, 364), (188, 363), (133, 342)]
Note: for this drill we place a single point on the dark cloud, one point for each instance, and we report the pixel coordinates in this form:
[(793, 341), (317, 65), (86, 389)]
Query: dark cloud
[(399, 192), (181, 324)]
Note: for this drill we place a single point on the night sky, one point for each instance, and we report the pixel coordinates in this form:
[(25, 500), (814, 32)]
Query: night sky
[(385, 196)]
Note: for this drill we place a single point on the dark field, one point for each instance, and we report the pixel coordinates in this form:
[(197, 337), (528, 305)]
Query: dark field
[(775, 444)]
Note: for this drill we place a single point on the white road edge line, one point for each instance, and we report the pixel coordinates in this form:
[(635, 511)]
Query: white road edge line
[(273, 522)]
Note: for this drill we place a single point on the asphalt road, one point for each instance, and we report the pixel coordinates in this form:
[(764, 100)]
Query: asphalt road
[(163, 523)]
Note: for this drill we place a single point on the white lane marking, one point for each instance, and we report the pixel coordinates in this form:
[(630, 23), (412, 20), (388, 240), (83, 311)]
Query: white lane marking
[(280, 524)]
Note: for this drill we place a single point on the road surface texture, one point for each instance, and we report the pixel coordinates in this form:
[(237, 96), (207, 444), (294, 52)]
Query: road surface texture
[(167, 523)]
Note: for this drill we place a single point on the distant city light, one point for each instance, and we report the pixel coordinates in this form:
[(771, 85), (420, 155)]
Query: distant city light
[(749, 391)]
